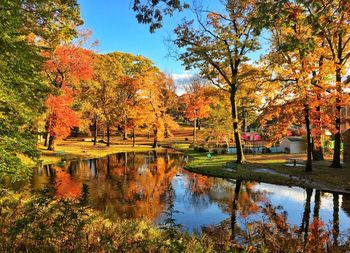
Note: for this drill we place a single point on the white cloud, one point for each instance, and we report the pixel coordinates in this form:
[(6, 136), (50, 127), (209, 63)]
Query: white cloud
[(182, 77), (295, 194), (180, 80)]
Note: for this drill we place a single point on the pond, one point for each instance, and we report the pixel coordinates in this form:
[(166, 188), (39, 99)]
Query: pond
[(154, 185)]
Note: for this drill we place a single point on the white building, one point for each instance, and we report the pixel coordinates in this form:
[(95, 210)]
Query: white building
[(293, 145)]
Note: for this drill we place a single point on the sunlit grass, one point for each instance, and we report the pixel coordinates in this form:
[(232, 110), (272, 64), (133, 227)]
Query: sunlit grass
[(224, 166), (85, 150)]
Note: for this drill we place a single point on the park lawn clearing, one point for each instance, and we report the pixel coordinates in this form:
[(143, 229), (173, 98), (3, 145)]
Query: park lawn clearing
[(270, 168), (72, 149)]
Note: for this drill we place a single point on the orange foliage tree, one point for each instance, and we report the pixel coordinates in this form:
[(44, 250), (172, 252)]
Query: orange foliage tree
[(68, 66), (154, 103), (196, 104)]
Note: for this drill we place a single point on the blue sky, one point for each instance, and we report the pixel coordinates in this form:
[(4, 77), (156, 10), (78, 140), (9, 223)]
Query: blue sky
[(114, 24), (115, 27)]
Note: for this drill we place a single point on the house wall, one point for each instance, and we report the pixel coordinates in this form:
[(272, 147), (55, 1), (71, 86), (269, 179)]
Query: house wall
[(285, 144), (297, 148)]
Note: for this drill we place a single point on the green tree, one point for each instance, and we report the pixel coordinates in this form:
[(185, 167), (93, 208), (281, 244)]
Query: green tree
[(27, 28), (152, 12), (107, 93)]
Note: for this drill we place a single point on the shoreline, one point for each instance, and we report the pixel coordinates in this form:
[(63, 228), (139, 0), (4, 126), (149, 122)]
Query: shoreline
[(270, 168), (75, 150), (266, 171)]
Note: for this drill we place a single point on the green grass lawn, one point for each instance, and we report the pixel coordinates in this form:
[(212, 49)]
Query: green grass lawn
[(84, 150), (224, 166)]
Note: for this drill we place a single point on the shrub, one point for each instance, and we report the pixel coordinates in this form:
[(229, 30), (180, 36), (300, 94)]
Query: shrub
[(201, 149), (40, 223), (266, 150)]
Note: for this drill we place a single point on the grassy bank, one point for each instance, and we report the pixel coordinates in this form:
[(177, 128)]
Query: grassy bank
[(73, 149), (270, 168)]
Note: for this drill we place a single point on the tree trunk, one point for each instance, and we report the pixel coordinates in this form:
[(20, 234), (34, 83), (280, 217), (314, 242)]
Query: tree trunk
[(51, 145), (236, 130), (133, 137), (198, 124), (195, 128), (337, 136), (308, 166), (166, 132), (108, 135), (234, 209), (317, 152), (47, 138), (95, 131), (125, 127), (155, 141)]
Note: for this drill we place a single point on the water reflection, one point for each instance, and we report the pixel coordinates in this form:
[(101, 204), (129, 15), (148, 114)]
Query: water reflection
[(149, 184)]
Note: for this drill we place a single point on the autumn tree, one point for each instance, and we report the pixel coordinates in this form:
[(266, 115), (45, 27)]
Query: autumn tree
[(295, 53), (66, 68), (105, 93), (155, 109), (327, 40), (196, 103), (219, 122), (330, 22), (133, 67), (218, 46), (169, 93), (170, 102)]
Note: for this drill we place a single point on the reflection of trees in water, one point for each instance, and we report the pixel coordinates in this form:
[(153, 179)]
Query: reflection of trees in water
[(131, 192), (241, 202), (311, 236), (234, 208), (335, 218), (116, 184), (317, 204), (305, 224), (245, 200), (57, 178), (121, 189), (304, 228), (197, 189)]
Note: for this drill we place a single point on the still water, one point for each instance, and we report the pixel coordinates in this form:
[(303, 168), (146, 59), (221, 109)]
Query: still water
[(154, 185)]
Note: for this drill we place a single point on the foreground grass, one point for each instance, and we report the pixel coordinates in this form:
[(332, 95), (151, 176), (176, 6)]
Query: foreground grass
[(223, 165), (40, 223), (73, 149)]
